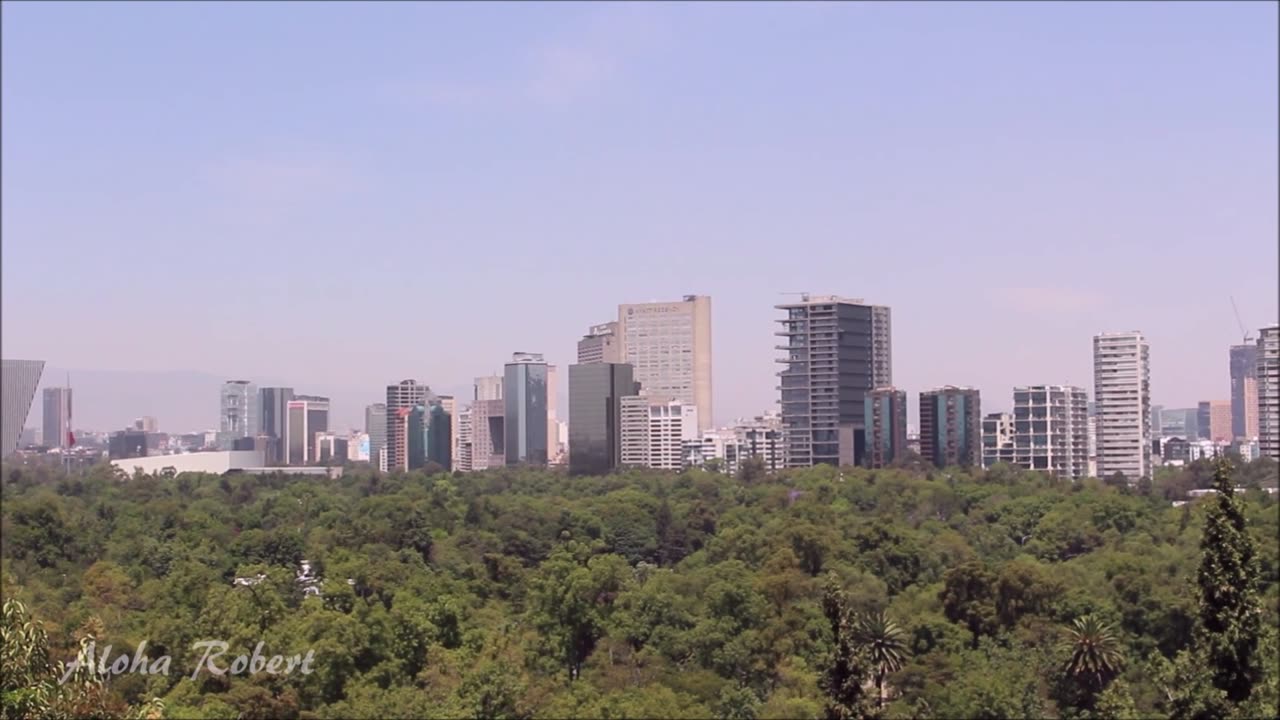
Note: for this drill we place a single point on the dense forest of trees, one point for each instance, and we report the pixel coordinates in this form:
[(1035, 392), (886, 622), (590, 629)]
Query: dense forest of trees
[(825, 592)]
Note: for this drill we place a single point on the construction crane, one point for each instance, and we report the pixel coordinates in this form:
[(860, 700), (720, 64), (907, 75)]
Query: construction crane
[(1236, 310)]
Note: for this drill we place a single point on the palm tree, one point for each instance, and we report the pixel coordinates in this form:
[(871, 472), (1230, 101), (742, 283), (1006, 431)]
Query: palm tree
[(883, 641), (1095, 651)]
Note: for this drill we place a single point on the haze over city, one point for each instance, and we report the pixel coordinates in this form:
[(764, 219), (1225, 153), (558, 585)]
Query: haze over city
[(337, 197)]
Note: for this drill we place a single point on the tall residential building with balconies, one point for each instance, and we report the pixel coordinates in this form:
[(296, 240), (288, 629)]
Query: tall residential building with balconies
[(668, 344), (834, 351), (238, 412), (951, 426), (997, 439), (1051, 429), (1244, 391), (1122, 397), (886, 423), (601, 344), (1268, 372)]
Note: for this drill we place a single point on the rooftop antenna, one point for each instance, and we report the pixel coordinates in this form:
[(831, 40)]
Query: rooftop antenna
[(1236, 310), (804, 296)]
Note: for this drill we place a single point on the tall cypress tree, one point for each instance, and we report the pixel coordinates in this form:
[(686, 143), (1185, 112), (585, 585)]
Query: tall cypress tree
[(1230, 611), (845, 680)]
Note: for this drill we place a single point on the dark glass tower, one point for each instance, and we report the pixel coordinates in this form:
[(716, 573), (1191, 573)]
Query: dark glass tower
[(524, 392), (595, 416)]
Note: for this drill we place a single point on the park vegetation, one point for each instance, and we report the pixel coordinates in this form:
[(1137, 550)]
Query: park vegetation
[(518, 593)]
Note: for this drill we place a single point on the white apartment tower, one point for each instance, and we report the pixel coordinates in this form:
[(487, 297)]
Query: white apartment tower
[(1122, 404), (1268, 372), (655, 432), (669, 346), (1051, 429)]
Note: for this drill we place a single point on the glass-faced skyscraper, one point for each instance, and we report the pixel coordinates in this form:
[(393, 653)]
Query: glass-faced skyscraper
[(524, 392), (595, 415)]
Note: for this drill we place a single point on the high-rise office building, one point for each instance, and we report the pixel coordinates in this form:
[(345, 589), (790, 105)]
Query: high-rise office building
[(524, 392), (596, 391), (1157, 421), (1051, 429), (450, 406), (273, 414), (488, 434), (146, 424), (57, 418), (331, 449), (553, 420), (440, 429), (997, 439), (600, 345), (405, 395), (407, 433), (951, 426), (488, 387), (375, 424), (1244, 391), (1179, 422), (1213, 420), (886, 426), (18, 382), (238, 416), (1268, 373), (668, 345), (835, 349), (273, 403), (656, 431), (1122, 397), (306, 416)]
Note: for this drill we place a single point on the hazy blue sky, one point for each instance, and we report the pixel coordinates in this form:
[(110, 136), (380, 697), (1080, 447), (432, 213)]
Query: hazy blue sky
[(347, 195)]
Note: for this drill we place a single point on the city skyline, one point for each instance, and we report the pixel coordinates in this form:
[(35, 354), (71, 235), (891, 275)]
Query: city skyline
[(883, 169)]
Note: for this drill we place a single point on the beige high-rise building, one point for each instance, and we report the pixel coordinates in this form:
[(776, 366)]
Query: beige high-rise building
[(600, 345), (669, 346)]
